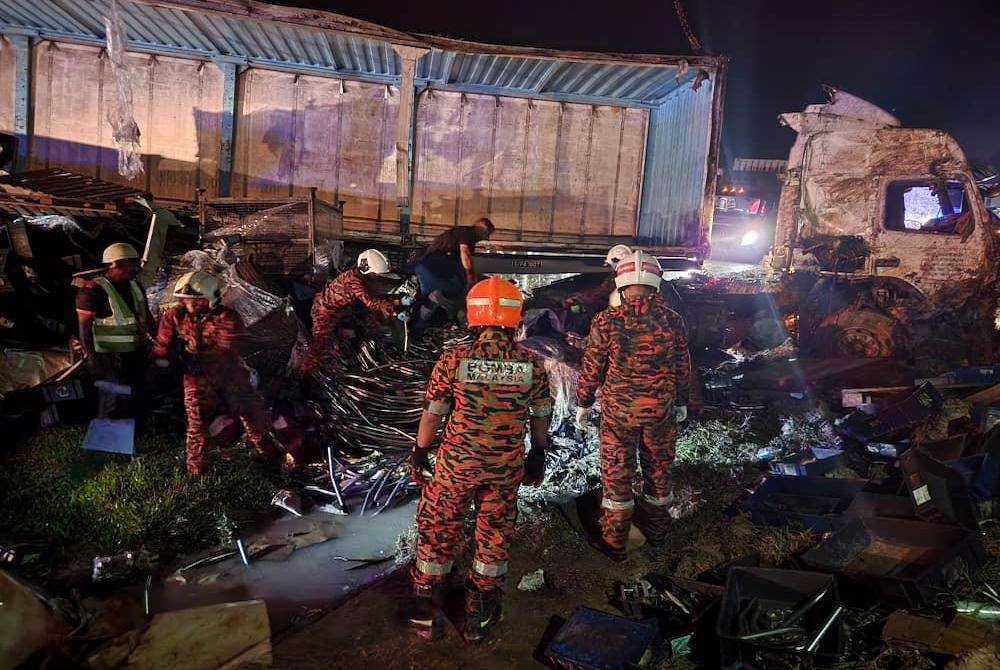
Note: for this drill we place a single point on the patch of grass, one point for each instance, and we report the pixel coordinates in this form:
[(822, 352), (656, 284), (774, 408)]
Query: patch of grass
[(82, 502)]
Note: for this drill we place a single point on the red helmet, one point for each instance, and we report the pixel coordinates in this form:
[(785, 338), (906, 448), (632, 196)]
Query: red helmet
[(494, 302)]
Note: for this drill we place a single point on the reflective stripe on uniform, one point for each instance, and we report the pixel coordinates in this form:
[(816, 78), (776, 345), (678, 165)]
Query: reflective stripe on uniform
[(121, 332), (541, 410), (433, 569), (439, 408), (659, 502), (490, 569), (617, 505)]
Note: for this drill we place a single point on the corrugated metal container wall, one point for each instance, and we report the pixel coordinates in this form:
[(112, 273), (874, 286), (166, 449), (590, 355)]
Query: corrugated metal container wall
[(297, 131), (673, 191), (8, 69), (177, 106), (542, 171)]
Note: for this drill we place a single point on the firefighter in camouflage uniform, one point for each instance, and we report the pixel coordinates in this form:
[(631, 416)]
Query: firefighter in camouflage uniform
[(206, 333), (637, 355), (333, 311), (489, 391)]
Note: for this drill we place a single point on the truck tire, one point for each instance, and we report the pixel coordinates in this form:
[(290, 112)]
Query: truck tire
[(851, 332)]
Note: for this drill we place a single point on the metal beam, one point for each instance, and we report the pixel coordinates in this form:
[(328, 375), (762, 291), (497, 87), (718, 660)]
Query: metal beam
[(405, 122), (22, 98), (230, 71), (525, 93)]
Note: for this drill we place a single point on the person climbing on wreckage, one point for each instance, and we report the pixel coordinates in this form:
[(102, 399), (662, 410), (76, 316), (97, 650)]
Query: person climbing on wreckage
[(486, 392), (445, 272), (333, 311), (637, 356), (206, 333)]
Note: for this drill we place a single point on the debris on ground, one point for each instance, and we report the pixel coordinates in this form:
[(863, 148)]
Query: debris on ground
[(203, 638)]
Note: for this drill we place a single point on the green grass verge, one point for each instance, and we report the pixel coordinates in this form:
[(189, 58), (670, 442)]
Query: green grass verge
[(80, 502)]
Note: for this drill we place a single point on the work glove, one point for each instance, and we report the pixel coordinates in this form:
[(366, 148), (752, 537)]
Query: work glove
[(582, 415), (680, 413), (162, 362), (534, 467), (420, 467)]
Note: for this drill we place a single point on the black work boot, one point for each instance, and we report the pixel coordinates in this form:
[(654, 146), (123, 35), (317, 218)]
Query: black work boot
[(425, 611), (482, 611)]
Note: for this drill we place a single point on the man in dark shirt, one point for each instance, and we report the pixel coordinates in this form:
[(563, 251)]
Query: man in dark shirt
[(115, 330), (445, 270)]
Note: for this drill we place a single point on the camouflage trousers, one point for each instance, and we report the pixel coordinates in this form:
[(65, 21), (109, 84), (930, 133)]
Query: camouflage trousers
[(441, 516), (201, 397), (620, 443), (328, 349)]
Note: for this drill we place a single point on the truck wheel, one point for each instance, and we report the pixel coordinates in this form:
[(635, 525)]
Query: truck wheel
[(857, 333)]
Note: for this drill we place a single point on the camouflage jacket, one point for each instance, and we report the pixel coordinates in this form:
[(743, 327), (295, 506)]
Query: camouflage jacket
[(638, 356), (344, 292), (488, 389), (209, 339)]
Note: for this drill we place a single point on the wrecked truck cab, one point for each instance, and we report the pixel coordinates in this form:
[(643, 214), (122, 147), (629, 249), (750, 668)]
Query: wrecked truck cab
[(891, 218)]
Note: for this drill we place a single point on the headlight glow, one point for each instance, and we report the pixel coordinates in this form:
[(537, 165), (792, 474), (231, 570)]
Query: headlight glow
[(749, 238)]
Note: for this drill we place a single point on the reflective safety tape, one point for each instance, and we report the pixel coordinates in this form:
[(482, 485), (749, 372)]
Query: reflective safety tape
[(509, 302), (492, 371), (439, 408), (659, 502), (541, 410), (490, 569), (433, 569), (478, 302), (617, 505)]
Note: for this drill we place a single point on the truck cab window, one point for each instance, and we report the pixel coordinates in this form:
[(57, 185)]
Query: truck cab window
[(928, 206)]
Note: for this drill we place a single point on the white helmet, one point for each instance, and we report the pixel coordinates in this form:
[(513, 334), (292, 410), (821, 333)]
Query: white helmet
[(616, 253), (119, 251), (198, 284), (373, 262), (639, 268)]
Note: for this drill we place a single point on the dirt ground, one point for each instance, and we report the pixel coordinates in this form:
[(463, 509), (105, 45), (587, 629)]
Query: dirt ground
[(369, 630)]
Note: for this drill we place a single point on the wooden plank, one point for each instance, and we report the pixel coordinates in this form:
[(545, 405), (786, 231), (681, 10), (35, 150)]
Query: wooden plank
[(202, 638), (961, 635), (987, 396)]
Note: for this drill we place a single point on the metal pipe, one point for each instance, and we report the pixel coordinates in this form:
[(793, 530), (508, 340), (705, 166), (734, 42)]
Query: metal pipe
[(814, 644), (243, 552)]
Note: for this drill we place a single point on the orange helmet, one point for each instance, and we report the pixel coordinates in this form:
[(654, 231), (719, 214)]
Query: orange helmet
[(494, 302)]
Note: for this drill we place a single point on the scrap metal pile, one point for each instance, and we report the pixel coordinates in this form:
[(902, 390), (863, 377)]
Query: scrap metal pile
[(368, 419), (896, 493)]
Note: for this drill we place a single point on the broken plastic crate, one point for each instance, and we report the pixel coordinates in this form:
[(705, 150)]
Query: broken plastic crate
[(939, 492), (759, 600), (809, 462), (909, 411), (906, 562), (595, 640), (813, 502)]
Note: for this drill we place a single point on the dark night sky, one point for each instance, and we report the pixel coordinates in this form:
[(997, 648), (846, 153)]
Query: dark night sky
[(932, 63)]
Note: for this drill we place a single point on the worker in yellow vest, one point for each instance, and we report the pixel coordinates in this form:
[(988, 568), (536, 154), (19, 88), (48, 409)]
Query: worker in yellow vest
[(115, 332)]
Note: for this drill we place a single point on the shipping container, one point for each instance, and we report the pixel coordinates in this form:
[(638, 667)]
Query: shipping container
[(567, 152)]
